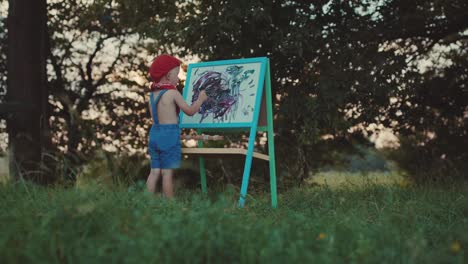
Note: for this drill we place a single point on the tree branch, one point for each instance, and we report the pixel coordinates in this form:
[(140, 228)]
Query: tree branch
[(455, 26), (102, 80), (90, 88), (89, 64)]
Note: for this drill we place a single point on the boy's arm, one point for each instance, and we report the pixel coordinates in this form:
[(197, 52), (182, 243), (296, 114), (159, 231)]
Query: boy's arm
[(192, 109)]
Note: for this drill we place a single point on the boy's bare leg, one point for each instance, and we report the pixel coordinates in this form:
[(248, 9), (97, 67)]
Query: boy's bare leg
[(153, 178), (167, 183)]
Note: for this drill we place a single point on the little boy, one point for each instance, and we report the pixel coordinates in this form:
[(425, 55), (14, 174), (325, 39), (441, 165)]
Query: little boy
[(164, 136)]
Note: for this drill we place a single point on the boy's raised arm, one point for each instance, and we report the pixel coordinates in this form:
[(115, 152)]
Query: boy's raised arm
[(192, 109)]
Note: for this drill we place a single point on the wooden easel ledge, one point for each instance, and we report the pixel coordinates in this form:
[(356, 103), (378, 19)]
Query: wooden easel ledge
[(222, 151)]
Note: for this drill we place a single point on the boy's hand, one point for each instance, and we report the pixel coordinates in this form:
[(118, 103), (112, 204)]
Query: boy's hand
[(202, 96)]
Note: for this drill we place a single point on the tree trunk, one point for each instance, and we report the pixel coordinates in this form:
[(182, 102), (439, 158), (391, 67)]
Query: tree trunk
[(28, 126), (73, 135)]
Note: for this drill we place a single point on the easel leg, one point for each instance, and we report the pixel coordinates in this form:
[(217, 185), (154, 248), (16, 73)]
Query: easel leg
[(202, 169), (272, 165), (248, 165), (271, 142), (203, 175), (245, 180), (274, 199)]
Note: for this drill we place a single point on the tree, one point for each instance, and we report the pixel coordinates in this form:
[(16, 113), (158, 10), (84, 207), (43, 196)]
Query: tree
[(320, 64), (429, 110), (27, 91), (96, 74), (3, 56), (97, 71), (339, 65)]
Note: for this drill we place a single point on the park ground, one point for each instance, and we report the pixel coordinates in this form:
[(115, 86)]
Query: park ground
[(336, 218)]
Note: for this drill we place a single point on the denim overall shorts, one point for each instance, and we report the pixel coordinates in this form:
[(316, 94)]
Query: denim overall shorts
[(164, 140)]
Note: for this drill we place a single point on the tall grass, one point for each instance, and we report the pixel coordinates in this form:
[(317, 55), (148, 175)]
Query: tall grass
[(376, 224)]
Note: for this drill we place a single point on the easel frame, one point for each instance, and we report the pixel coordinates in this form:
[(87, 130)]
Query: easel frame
[(263, 110)]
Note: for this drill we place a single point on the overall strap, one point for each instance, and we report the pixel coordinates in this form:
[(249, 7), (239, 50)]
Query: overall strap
[(154, 103)]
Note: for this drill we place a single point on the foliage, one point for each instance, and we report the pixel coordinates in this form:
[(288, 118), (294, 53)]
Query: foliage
[(114, 169), (97, 66), (3, 53), (429, 162), (337, 67), (372, 225), (341, 65), (3, 77)]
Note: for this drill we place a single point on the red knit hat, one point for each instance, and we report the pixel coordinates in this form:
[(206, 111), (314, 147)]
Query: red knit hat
[(161, 65)]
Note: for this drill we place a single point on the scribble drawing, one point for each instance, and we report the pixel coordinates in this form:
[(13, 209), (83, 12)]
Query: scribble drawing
[(224, 92)]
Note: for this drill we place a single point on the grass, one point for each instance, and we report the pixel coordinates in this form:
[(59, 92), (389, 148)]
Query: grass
[(373, 224), (4, 169), (336, 179)]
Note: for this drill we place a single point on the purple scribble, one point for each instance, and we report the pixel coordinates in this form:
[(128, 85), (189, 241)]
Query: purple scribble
[(223, 91)]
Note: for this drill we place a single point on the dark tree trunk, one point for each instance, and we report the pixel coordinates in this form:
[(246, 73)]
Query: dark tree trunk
[(27, 87), (74, 136)]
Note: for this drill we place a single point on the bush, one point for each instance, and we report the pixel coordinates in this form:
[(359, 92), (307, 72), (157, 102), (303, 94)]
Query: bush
[(119, 169), (432, 161)]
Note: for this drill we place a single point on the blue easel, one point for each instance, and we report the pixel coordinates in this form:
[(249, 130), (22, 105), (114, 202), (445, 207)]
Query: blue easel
[(262, 110)]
